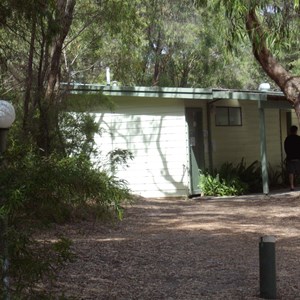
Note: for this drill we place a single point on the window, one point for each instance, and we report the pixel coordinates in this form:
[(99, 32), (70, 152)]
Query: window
[(228, 116)]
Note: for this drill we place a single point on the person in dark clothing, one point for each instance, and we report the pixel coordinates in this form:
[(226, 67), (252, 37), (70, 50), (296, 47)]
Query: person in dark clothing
[(292, 150)]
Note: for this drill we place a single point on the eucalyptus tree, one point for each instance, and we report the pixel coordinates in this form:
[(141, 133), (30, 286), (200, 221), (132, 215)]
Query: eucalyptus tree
[(173, 41), (43, 44), (144, 42), (104, 34), (150, 42), (272, 27), (179, 45), (32, 38)]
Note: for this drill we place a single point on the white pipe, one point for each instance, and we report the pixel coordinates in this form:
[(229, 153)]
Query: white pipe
[(107, 76)]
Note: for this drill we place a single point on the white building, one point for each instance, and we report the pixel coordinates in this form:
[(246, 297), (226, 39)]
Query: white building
[(175, 132)]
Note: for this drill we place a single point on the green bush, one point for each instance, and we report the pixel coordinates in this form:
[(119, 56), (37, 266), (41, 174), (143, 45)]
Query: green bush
[(50, 189), (216, 186), (42, 190), (76, 134), (278, 176), (231, 180), (31, 262), (249, 175), (38, 190), (239, 179)]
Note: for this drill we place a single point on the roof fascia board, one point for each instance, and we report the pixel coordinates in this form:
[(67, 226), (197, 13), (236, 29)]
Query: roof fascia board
[(173, 92), (184, 93), (235, 95), (246, 96)]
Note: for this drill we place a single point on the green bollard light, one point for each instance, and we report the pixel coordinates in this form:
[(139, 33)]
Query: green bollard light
[(7, 117), (267, 267)]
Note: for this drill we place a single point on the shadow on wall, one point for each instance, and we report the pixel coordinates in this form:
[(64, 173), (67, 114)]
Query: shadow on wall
[(157, 142)]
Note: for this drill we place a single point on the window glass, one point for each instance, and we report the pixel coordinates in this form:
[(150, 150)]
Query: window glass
[(221, 116), (228, 116), (235, 118)]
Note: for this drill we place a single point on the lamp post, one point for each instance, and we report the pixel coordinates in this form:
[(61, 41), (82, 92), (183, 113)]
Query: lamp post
[(7, 117)]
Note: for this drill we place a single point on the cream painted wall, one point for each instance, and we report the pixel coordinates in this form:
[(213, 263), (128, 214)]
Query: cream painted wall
[(232, 143), (154, 131)]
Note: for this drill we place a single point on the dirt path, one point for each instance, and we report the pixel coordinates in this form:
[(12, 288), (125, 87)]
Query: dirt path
[(185, 249)]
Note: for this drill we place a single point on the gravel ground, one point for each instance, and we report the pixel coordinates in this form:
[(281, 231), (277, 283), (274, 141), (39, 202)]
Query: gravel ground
[(202, 248)]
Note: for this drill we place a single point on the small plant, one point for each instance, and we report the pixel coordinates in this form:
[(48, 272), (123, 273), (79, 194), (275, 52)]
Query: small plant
[(119, 157), (232, 179), (239, 179), (30, 261), (277, 176), (216, 186), (250, 175)]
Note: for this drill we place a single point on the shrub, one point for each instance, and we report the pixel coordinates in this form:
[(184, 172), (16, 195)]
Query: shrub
[(51, 188), (250, 175), (216, 186), (41, 190), (76, 134), (38, 189), (232, 179), (277, 176), (31, 262), (239, 179)]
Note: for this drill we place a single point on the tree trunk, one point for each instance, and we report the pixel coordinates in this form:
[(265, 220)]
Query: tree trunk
[(289, 84), (29, 77), (64, 17), (157, 50), (65, 10)]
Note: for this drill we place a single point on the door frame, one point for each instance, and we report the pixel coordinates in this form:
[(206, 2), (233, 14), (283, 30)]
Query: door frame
[(195, 137)]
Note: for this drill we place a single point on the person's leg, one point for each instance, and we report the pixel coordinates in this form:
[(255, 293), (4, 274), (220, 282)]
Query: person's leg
[(296, 173), (291, 180), (291, 168)]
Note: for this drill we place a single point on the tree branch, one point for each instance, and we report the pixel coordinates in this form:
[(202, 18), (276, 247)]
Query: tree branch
[(289, 84)]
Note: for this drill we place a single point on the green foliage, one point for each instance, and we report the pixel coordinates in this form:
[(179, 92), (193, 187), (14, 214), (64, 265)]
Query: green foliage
[(119, 157), (51, 188), (237, 179), (76, 134), (31, 261), (216, 186), (278, 21), (277, 176), (42, 190), (139, 40), (249, 175), (39, 190), (232, 179), (167, 43), (104, 33)]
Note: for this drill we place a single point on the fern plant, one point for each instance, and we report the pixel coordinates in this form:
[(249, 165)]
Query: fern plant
[(215, 186), (239, 179)]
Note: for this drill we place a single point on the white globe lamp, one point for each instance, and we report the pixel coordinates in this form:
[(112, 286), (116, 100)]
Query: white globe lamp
[(264, 87), (7, 114), (7, 117)]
